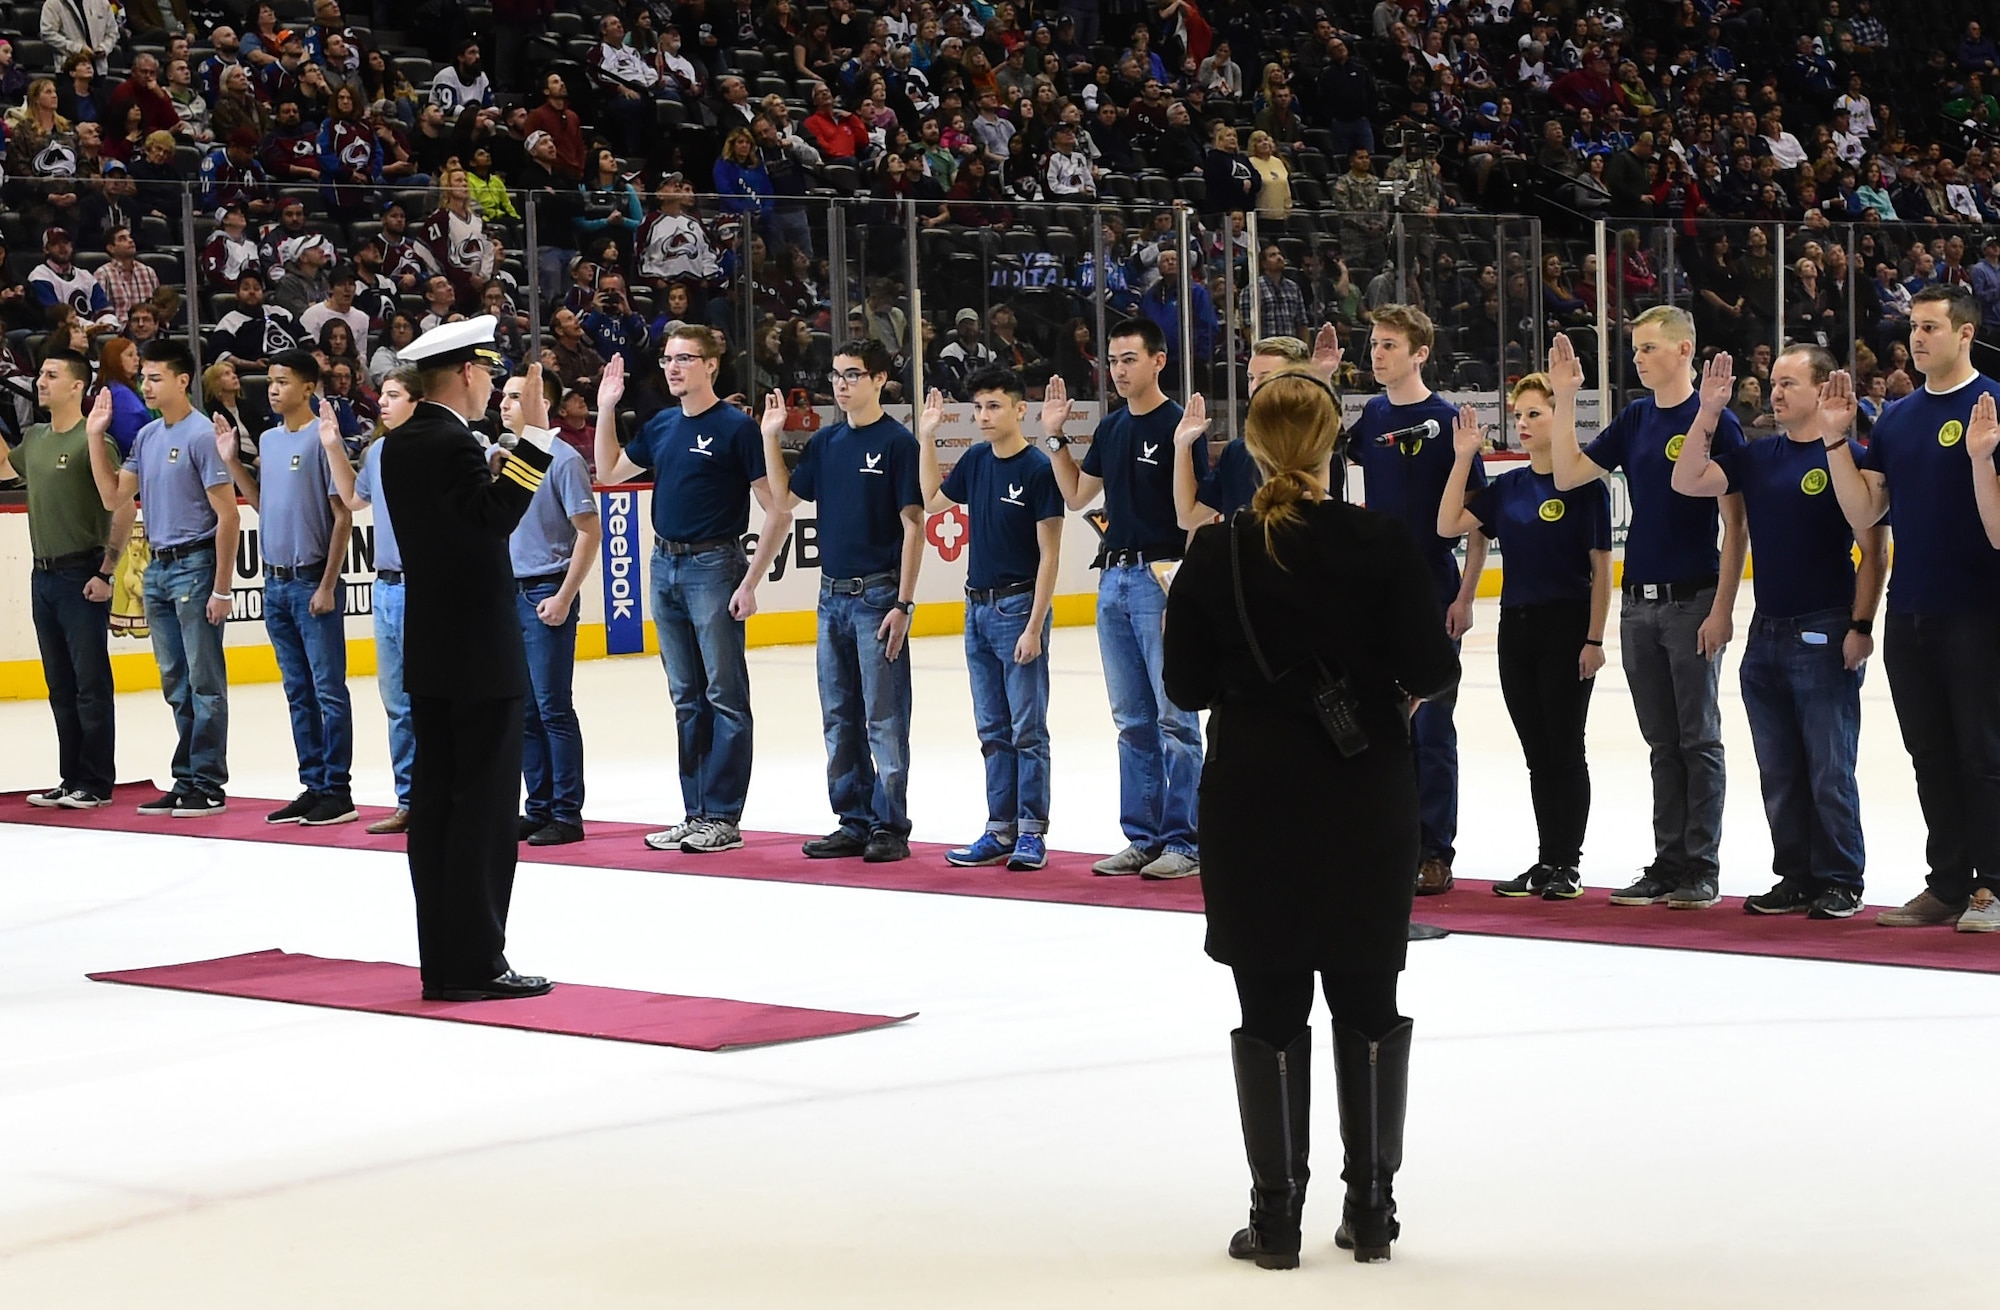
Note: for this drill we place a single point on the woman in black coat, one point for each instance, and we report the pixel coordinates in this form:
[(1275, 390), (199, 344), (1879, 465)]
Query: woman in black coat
[(1307, 845)]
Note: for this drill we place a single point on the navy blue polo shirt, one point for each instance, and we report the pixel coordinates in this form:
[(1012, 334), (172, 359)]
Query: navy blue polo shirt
[(1233, 481), (1672, 537), (1944, 563), (702, 467), (862, 479), (1405, 456), (1006, 499), (1134, 455), (1545, 535), (1803, 548)]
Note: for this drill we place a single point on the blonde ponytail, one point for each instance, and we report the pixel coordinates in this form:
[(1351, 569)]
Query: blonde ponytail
[(1290, 431)]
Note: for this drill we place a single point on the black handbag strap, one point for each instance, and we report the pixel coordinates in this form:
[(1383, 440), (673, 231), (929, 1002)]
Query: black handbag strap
[(1242, 609)]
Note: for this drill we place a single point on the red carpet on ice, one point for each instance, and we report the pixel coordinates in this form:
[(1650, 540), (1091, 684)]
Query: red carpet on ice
[(775, 857), (695, 1023)]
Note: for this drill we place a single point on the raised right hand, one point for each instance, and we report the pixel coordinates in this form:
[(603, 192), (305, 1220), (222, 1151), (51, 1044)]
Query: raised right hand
[(1565, 369), (611, 386), (1837, 407), (1718, 382), (99, 421), (931, 416), (1055, 406), (1982, 434), (1468, 435), (1194, 422), (773, 421)]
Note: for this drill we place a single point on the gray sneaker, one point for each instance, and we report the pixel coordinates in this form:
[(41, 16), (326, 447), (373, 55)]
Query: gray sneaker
[(1124, 864), (712, 835), (1982, 914), (1173, 864), (1924, 910), (670, 839)]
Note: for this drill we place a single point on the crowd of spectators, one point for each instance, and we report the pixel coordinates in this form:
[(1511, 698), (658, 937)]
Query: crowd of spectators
[(290, 173)]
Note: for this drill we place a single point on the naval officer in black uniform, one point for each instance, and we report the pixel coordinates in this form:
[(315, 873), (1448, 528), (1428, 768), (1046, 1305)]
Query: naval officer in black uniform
[(464, 665)]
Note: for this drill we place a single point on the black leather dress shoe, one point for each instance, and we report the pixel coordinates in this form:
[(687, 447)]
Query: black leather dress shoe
[(525, 827), (556, 834), (507, 987), (840, 844)]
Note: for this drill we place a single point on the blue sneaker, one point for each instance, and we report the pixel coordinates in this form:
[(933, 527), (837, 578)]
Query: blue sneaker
[(991, 848), (1030, 852)]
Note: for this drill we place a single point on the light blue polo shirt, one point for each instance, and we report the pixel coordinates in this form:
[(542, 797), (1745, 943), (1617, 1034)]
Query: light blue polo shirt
[(368, 486), (545, 538), (177, 464), (294, 516)]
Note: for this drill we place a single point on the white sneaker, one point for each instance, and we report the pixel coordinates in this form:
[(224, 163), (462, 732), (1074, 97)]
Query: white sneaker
[(1173, 864), (1982, 913), (1125, 863), (712, 835), (670, 839)]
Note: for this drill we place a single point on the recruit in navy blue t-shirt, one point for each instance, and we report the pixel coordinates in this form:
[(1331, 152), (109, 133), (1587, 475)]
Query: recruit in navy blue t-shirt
[(862, 479), (1944, 563), (1545, 535), (702, 466), (1233, 482), (1672, 537), (1005, 499), (1406, 456), (1799, 539), (1134, 455)]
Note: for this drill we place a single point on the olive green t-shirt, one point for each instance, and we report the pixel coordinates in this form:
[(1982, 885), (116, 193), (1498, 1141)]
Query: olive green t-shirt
[(65, 514)]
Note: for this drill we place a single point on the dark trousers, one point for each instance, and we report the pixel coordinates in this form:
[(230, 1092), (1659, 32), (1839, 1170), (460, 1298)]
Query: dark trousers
[(1942, 680), (1674, 694), (1277, 1004), (1539, 649), (1434, 739), (463, 842), (74, 635), (1804, 708)]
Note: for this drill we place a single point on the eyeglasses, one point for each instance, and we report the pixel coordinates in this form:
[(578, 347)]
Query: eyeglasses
[(682, 360), (851, 377)]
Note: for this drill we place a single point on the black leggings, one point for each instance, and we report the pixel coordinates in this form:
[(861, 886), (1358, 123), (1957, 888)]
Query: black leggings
[(1549, 703), (1276, 1005)]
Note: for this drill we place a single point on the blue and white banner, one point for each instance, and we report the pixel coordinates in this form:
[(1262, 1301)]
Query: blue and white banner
[(624, 621)]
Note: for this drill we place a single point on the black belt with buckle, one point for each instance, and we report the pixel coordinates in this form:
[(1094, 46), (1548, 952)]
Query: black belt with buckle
[(168, 554), (665, 547), (542, 580), (854, 586), (394, 577), (990, 595), (1132, 559), (75, 559), (1664, 591), (303, 573)]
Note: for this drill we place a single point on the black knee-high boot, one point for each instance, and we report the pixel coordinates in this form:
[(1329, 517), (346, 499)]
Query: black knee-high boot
[(1374, 1080), (1274, 1096)]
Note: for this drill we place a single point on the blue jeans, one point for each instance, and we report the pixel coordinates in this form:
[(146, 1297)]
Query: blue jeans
[(1010, 708), (193, 675), (701, 648), (864, 702), (1159, 743), (1674, 693), (312, 662), (552, 739), (1804, 708), (74, 636), (389, 601), (1434, 744)]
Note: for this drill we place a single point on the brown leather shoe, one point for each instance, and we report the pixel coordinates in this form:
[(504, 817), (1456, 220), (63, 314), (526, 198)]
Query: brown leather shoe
[(1433, 877), (397, 822)]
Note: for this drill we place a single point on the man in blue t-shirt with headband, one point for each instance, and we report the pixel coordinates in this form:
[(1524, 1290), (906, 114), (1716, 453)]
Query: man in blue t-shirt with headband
[(1929, 471), (1680, 596), (1403, 444), (862, 474), (1811, 635), (1131, 461), (1016, 513), (707, 461)]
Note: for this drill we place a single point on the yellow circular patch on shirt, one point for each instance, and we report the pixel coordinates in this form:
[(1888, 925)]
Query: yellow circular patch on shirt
[(1813, 482), (1552, 510), (1951, 433), (1674, 446)]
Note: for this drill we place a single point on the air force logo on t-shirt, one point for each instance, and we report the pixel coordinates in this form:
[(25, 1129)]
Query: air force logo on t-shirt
[(701, 447), (872, 461), (1146, 452), (1013, 496)]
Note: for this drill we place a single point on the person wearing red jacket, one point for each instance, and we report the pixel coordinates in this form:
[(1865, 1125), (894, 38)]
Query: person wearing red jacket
[(1589, 87), (143, 89), (837, 133), (563, 125)]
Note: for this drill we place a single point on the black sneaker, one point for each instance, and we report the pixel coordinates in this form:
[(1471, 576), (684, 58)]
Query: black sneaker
[(165, 803), (301, 806), (82, 798), (556, 834), (1695, 894), (885, 848), (1563, 885), (187, 806), (48, 800), (1836, 903), (1787, 897), (525, 827), (1528, 884), (1651, 889), (329, 808), (840, 844)]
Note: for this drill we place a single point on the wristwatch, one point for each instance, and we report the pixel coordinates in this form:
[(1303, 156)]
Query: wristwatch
[(1865, 627), (907, 606), (1056, 441)]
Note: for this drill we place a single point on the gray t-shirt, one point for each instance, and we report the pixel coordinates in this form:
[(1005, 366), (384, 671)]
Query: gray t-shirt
[(545, 537), (368, 486), (295, 518), (177, 464)]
